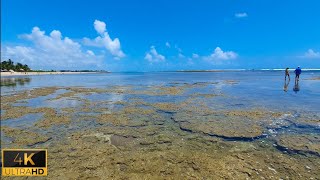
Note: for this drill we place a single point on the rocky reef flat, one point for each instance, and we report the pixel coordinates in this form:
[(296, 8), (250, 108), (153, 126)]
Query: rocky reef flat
[(173, 131)]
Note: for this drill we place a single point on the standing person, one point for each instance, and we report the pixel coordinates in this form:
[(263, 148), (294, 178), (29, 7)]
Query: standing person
[(287, 74), (298, 72)]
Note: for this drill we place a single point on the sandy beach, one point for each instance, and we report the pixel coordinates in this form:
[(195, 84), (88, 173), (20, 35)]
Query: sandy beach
[(40, 73)]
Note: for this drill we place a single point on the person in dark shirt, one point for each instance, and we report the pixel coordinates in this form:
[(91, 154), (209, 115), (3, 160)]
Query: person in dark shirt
[(297, 72)]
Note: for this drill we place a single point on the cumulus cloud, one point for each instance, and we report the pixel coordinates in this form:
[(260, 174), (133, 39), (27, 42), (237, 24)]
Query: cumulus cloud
[(153, 56), (219, 54), (311, 54), (50, 50), (168, 45), (241, 15), (100, 26), (104, 40), (24, 54)]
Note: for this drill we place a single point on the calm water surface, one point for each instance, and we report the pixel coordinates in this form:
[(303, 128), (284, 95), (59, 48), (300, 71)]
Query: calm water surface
[(258, 88)]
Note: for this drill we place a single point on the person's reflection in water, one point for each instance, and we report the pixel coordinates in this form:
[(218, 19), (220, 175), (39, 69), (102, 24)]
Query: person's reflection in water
[(286, 84), (296, 86)]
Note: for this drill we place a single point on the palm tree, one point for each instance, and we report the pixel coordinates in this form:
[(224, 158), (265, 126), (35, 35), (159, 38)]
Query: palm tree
[(26, 67), (9, 65), (18, 67), (4, 65)]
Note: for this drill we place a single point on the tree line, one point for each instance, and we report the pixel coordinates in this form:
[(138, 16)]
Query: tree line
[(9, 65)]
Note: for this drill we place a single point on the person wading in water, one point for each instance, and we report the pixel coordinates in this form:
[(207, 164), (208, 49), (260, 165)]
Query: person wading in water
[(298, 72), (287, 74)]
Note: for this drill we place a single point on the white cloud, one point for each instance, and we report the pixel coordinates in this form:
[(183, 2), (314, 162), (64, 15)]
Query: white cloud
[(168, 44), (153, 56), (56, 34), (90, 52), (195, 56), (241, 15), (52, 51), (311, 54), (21, 53), (100, 26), (180, 55), (104, 40), (219, 54)]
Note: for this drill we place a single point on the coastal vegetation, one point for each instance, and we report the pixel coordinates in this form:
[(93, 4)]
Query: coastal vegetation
[(10, 65)]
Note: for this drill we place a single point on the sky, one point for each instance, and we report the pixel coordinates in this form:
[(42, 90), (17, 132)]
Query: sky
[(161, 35)]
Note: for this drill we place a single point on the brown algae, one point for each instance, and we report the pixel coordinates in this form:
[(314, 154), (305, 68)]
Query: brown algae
[(142, 139)]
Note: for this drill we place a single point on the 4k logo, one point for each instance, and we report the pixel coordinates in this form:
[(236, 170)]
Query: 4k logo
[(24, 162), (26, 159)]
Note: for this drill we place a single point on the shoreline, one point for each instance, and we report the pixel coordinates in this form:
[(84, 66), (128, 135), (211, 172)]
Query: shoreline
[(41, 73)]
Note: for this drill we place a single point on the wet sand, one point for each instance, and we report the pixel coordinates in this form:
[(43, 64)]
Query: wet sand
[(160, 132)]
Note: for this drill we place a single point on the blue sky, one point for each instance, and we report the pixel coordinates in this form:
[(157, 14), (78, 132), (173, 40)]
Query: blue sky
[(158, 35)]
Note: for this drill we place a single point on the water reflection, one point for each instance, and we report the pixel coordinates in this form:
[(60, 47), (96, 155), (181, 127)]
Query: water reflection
[(286, 84), (296, 86), (13, 82)]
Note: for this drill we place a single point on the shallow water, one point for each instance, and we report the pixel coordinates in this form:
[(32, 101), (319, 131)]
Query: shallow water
[(22, 122), (235, 116), (262, 88)]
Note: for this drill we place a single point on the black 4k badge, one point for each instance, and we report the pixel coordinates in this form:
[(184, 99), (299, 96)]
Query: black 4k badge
[(24, 162)]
